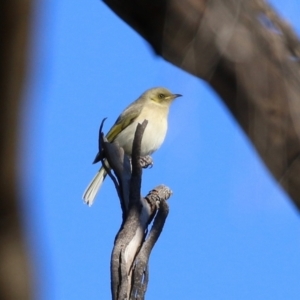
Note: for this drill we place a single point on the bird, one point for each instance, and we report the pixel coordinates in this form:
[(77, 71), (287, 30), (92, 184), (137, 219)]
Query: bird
[(153, 105)]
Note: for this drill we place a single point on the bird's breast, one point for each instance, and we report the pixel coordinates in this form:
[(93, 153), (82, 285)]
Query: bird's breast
[(154, 133)]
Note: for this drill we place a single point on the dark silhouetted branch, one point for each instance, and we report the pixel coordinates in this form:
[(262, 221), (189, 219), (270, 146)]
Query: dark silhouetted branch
[(248, 55)]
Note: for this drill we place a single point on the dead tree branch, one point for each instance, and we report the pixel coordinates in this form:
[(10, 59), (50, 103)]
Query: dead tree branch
[(132, 248), (248, 55), (156, 198)]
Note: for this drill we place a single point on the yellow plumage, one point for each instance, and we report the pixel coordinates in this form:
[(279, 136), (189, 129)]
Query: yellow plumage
[(153, 105)]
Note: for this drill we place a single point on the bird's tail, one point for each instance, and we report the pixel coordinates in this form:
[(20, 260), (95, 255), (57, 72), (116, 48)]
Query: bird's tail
[(94, 186)]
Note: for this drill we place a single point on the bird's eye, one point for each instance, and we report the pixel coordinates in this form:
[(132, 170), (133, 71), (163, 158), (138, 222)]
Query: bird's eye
[(160, 96)]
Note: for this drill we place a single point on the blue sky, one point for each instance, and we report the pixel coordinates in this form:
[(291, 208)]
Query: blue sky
[(231, 232)]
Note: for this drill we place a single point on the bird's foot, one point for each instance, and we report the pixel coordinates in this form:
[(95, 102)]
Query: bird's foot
[(146, 162)]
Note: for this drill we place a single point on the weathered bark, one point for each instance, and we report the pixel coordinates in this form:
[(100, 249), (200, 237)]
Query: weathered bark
[(14, 270), (133, 244), (247, 54)]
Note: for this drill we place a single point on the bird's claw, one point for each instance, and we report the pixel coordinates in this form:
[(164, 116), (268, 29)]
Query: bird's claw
[(146, 162)]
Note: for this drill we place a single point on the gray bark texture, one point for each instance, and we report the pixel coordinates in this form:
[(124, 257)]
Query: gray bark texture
[(14, 33), (247, 54), (136, 237)]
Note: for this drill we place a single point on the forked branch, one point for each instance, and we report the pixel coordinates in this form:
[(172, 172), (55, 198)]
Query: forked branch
[(133, 243)]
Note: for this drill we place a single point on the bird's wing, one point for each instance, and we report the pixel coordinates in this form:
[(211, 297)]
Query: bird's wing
[(125, 119)]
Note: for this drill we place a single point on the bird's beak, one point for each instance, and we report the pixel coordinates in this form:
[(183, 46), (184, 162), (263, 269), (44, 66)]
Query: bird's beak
[(176, 96)]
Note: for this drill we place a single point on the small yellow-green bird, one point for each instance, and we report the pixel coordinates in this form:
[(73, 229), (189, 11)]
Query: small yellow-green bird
[(153, 106)]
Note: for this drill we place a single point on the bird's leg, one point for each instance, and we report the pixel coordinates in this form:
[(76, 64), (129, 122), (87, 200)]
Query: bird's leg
[(146, 161)]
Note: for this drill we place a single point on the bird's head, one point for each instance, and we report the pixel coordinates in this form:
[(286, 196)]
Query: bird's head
[(161, 95)]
